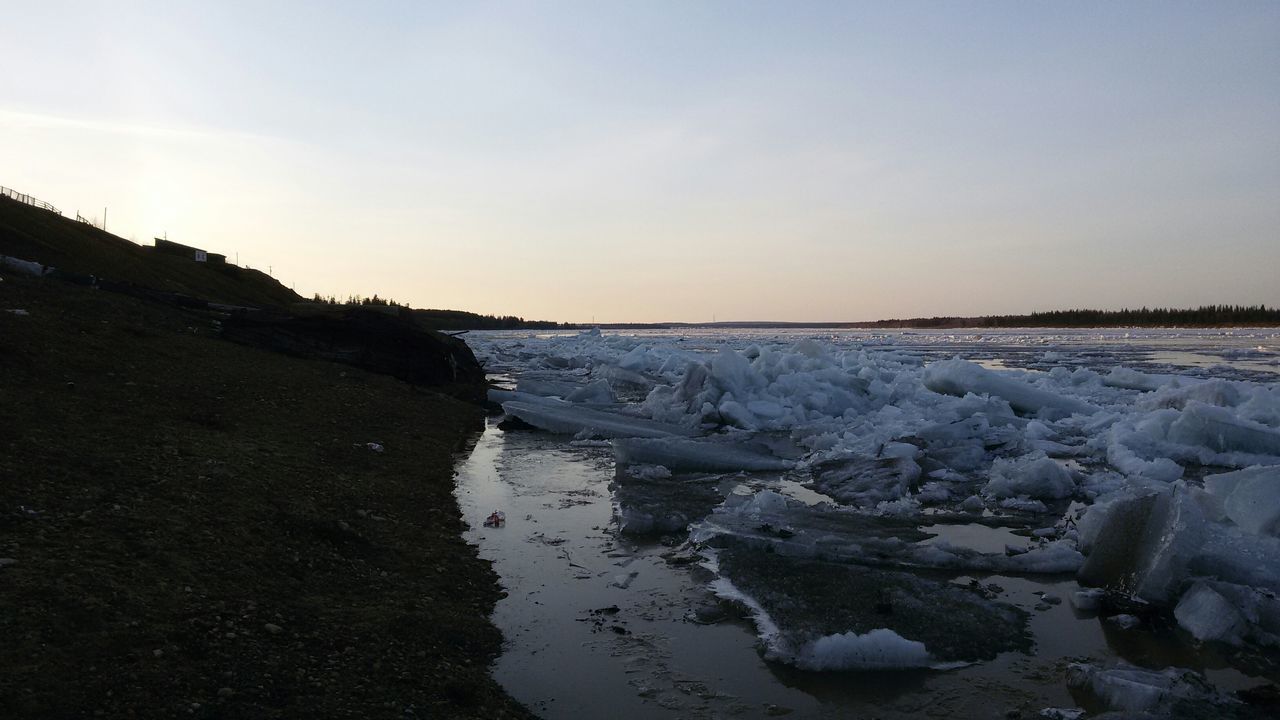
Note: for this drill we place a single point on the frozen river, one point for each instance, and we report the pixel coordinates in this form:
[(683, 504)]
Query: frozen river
[(883, 524)]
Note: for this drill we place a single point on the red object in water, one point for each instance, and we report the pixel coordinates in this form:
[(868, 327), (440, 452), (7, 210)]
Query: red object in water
[(496, 519)]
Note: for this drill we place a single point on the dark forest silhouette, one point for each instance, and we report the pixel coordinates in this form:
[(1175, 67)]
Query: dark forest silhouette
[(447, 319), (1203, 316)]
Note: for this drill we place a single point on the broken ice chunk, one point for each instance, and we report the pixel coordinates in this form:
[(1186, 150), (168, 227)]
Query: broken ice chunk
[(1022, 504), (597, 392), (653, 505), (788, 527), (959, 377), (1142, 546), (545, 388), (1250, 498), (706, 455), (1125, 621), (1123, 377), (879, 649), (1221, 430), (564, 417), (1087, 600), (865, 480), (820, 616), (1034, 476), (1133, 689), (1207, 615)]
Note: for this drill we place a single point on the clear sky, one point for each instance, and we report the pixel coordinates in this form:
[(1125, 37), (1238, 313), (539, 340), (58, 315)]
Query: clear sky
[(649, 161)]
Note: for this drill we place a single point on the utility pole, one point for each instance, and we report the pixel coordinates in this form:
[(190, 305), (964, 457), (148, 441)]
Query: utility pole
[(104, 218)]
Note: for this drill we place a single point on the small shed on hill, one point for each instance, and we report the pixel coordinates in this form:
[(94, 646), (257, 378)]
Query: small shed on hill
[(196, 254)]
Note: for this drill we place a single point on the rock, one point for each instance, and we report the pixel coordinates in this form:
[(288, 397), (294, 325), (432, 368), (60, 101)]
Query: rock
[(273, 628), (225, 692), (6, 562)]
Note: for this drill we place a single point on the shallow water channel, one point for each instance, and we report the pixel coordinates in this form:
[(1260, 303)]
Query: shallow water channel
[(598, 624)]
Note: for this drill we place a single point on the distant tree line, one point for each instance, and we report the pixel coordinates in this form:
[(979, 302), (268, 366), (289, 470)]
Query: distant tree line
[(460, 320), (356, 300), (930, 322), (446, 319), (1203, 316)]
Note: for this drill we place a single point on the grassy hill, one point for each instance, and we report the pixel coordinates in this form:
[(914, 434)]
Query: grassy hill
[(31, 233)]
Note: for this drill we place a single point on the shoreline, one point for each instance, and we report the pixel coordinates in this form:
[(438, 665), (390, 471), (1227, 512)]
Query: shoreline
[(197, 528)]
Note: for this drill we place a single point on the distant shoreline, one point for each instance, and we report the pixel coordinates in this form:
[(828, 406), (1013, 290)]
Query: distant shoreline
[(1203, 317), (879, 326)]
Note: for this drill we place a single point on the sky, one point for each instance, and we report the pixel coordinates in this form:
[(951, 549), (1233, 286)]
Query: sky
[(672, 161)]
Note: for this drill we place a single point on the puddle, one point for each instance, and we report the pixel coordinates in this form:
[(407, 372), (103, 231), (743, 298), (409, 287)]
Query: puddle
[(978, 537)]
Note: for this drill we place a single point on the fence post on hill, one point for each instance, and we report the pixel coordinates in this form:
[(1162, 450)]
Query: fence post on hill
[(27, 199)]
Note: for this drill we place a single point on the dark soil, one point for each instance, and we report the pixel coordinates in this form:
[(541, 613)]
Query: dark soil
[(199, 529)]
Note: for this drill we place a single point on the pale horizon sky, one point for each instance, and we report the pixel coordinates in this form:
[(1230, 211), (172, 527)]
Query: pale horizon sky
[(673, 161)]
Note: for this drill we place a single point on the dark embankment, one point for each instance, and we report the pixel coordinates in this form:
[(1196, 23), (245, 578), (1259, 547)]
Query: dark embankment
[(383, 340), (192, 527)]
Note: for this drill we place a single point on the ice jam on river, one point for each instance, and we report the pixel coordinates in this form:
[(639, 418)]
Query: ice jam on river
[(748, 523)]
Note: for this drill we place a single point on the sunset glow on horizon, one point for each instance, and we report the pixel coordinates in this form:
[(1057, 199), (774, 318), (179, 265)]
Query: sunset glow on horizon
[(650, 162)]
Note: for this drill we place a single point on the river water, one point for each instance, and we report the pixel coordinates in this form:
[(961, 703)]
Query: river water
[(599, 624)]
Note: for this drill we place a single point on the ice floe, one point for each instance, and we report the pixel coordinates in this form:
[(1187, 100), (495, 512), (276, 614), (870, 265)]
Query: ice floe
[(1152, 486)]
